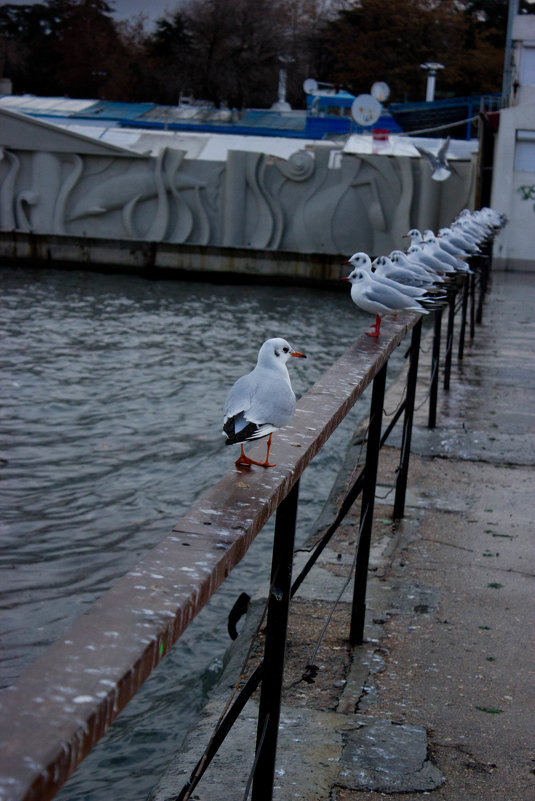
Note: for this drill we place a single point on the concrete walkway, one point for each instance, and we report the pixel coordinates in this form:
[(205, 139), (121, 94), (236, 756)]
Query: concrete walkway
[(440, 698)]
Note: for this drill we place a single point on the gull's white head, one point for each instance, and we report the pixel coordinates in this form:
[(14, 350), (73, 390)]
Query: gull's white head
[(381, 262), (357, 275), (414, 235), (277, 350), (360, 259)]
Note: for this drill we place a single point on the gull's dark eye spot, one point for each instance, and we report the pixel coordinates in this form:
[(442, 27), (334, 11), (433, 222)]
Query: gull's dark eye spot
[(286, 350)]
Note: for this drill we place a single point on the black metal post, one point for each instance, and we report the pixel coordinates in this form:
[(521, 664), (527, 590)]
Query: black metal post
[(452, 294), (435, 364), (464, 308), (488, 252), (472, 306), (403, 472), (483, 279), (358, 612), (276, 626)]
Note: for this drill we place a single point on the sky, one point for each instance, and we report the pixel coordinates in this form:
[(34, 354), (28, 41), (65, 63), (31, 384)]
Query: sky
[(124, 9), (153, 9)]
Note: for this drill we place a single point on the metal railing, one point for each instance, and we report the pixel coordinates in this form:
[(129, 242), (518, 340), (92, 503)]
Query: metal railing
[(467, 298), (269, 673), (63, 703)]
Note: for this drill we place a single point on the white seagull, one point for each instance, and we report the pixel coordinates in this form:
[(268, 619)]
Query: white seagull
[(439, 249), (261, 401), (461, 243), (424, 273), (415, 235), (421, 255), (415, 281), (378, 269), (440, 169), (376, 297)]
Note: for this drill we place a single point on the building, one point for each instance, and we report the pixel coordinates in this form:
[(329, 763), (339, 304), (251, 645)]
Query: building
[(513, 186), (84, 181)]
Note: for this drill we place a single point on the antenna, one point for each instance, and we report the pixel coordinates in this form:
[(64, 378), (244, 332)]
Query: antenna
[(431, 67)]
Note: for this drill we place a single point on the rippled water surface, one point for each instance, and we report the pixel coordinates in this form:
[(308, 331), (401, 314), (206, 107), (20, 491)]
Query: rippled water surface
[(112, 395)]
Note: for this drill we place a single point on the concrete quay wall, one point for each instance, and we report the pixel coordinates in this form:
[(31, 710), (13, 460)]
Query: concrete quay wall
[(165, 260)]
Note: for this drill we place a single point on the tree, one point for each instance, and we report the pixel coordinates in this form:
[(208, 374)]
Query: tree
[(488, 20), (231, 51), (87, 48), (484, 45), (168, 59), (24, 35), (364, 46), (234, 50), (65, 47)]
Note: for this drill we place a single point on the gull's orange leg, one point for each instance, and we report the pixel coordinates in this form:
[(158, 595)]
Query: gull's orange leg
[(243, 460), (376, 327), (267, 463), (246, 461)]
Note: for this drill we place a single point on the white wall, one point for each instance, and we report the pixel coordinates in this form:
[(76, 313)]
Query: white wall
[(513, 188)]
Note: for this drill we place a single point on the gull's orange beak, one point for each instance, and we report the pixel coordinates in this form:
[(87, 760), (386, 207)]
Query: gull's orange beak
[(298, 354), (344, 278)]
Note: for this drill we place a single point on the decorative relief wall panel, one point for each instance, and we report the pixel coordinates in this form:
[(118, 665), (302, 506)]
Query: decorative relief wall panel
[(320, 200)]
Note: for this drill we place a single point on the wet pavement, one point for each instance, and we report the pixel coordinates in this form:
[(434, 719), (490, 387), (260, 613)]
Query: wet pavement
[(439, 698)]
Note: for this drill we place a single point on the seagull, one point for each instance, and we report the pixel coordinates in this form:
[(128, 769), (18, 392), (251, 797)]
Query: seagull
[(440, 250), (414, 235), (409, 275), (438, 163), (420, 252), (482, 224), (477, 224), (379, 270), (373, 296), (261, 401), (384, 268), (424, 273), (424, 258), (458, 241), (489, 217)]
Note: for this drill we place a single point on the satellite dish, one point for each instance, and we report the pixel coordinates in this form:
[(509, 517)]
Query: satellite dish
[(310, 86), (381, 91), (366, 110)]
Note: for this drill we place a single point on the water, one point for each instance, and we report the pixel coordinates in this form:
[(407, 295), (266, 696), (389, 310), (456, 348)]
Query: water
[(112, 394)]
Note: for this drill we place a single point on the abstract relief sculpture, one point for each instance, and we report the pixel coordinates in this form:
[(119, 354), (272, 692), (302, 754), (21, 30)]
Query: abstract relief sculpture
[(319, 200)]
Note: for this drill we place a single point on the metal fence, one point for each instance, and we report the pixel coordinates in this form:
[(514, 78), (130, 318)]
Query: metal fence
[(466, 301), (80, 684)]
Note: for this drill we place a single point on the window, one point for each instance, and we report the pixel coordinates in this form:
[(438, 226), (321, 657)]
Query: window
[(525, 151), (527, 65)]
